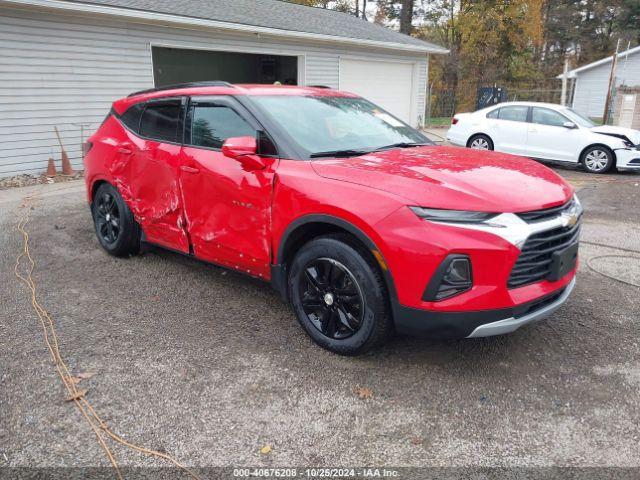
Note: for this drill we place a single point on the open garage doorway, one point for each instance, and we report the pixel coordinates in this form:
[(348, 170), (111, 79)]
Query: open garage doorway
[(177, 65)]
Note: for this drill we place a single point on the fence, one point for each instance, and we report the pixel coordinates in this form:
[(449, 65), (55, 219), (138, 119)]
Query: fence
[(444, 103)]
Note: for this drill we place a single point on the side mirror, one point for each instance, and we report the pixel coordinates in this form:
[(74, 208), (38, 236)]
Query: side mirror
[(569, 125), (244, 150)]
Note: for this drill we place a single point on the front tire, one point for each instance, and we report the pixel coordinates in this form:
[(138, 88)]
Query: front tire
[(339, 296), (116, 228), (597, 159), (480, 142)]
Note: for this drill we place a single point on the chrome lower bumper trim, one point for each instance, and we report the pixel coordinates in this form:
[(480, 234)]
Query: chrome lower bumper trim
[(511, 324)]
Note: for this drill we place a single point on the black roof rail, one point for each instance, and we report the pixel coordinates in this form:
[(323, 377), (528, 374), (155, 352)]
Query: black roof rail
[(320, 86), (212, 83)]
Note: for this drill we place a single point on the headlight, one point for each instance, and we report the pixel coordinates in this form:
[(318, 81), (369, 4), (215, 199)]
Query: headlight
[(577, 201), (452, 216)]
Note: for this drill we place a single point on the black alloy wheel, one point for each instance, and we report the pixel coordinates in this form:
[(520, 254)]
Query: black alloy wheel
[(107, 218), (339, 295), (116, 228), (331, 298)]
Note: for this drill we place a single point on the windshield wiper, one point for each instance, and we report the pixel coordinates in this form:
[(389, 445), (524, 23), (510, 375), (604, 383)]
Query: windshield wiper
[(402, 145), (352, 152), (340, 153)]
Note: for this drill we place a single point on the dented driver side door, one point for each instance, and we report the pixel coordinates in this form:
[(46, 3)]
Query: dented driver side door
[(153, 174), (228, 209)]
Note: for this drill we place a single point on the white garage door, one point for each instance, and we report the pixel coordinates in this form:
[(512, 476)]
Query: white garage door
[(388, 84)]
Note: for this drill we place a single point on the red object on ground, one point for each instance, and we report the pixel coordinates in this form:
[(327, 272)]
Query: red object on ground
[(66, 165), (51, 168)]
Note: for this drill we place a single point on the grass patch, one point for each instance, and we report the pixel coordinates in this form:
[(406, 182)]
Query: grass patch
[(438, 121)]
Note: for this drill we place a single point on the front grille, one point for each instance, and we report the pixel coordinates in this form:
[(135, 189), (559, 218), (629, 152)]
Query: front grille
[(547, 213), (534, 262)]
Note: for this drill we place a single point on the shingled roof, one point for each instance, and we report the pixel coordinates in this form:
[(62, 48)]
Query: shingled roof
[(273, 14)]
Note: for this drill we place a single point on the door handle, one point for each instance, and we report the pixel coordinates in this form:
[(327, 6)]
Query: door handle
[(188, 169), (125, 151)]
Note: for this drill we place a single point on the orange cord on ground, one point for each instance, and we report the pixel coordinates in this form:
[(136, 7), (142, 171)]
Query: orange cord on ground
[(98, 426)]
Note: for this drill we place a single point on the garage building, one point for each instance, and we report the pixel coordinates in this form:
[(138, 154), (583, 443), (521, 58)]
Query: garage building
[(63, 62), (591, 81)]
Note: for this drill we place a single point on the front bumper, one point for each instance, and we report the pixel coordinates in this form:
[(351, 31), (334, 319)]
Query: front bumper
[(544, 309), (483, 323), (628, 158)]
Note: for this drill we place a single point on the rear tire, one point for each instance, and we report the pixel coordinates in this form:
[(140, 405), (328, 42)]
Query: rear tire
[(480, 142), (597, 159), (339, 296), (116, 228)]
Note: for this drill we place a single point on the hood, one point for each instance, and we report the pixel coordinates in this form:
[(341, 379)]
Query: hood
[(453, 178), (627, 134)]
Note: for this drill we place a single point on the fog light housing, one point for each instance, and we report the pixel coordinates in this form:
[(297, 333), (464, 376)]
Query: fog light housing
[(451, 278)]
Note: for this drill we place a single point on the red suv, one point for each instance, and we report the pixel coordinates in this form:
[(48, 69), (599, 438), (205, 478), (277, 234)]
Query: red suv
[(357, 219)]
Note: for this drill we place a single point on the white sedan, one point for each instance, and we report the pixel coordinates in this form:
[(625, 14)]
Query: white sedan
[(548, 132)]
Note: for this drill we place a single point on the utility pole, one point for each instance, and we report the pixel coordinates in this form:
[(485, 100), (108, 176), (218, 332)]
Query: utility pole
[(563, 98), (623, 80), (612, 79)]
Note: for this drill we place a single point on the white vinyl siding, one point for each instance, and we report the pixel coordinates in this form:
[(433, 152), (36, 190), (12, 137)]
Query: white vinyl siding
[(66, 70), (422, 79), (591, 91), (323, 70), (591, 85)]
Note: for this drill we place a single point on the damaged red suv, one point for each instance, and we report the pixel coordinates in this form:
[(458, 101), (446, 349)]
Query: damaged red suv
[(357, 219)]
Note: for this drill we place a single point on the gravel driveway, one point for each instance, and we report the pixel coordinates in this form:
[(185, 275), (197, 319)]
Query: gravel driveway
[(211, 366)]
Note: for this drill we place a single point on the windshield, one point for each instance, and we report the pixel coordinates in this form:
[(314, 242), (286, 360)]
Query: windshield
[(578, 118), (325, 124)]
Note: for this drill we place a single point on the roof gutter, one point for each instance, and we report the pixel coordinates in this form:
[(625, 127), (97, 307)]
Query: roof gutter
[(144, 16)]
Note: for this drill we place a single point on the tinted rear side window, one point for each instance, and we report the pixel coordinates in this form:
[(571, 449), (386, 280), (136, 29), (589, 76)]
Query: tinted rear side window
[(493, 113), (131, 118), (515, 113), (160, 121)]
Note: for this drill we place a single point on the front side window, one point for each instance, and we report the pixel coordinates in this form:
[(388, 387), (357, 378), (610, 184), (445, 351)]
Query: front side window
[(546, 116), (514, 113), (325, 123), (213, 124), (160, 121), (578, 118)]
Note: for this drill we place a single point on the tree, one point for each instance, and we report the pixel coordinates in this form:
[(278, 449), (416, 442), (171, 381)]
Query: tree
[(405, 12), (628, 22), (514, 43), (586, 30), (490, 41), (312, 3), (406, 16), (346, 6)]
